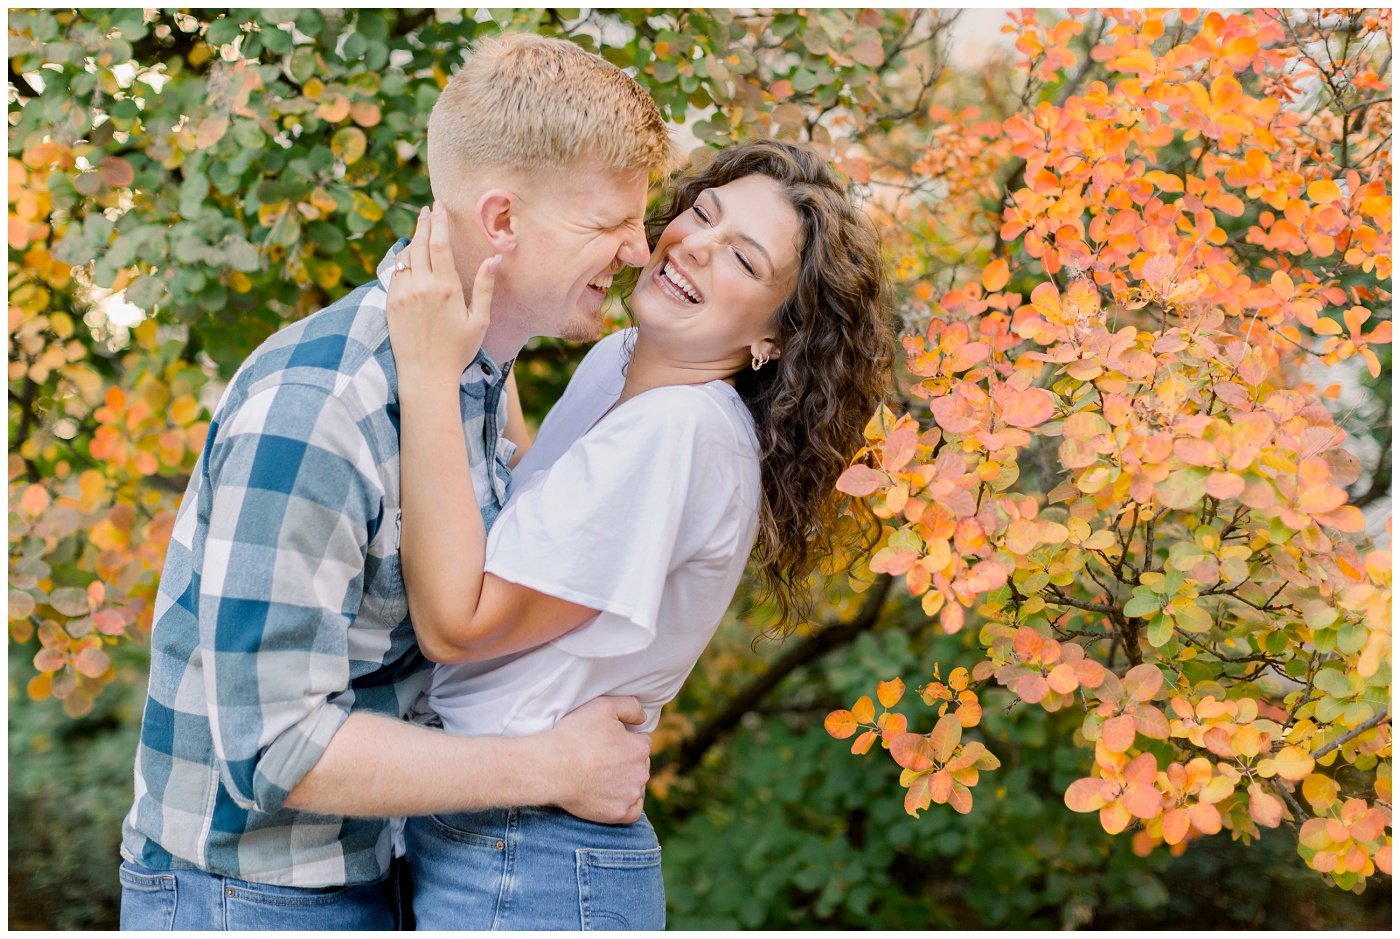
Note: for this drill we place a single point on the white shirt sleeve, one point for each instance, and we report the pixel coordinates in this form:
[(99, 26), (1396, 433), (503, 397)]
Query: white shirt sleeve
[(632, 499)]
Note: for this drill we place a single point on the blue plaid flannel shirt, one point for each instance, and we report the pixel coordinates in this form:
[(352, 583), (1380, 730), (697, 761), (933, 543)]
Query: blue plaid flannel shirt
[(282, 607)]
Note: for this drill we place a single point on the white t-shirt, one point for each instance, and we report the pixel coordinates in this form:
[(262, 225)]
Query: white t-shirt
[(649, 516)]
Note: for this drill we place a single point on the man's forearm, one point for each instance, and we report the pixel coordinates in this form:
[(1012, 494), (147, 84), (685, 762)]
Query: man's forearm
[(377, 767)]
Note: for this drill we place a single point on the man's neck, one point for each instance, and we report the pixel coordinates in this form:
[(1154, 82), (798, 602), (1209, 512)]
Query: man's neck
[(503, 340)]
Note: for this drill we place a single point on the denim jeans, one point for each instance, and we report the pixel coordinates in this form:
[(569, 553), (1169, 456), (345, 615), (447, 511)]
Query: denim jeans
[(191, 899), (533, 868)]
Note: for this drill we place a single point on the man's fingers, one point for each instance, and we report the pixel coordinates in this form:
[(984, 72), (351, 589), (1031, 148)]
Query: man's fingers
[(628, 710)]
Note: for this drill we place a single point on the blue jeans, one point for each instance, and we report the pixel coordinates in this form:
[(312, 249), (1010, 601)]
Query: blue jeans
[(191, 899), (533, 868)]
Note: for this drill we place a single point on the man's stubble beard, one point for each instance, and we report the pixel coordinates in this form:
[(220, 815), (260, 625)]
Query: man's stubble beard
[(581, 328)]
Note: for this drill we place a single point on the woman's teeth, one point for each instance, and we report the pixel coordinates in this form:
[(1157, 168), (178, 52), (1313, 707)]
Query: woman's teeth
[(677, 280), (601, 283)]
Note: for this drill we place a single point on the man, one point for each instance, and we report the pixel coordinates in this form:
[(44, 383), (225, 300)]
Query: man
[(282, 659)]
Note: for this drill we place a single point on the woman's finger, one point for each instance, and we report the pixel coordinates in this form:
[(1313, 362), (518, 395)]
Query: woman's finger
[(482, 290), (439, 241), (418, 247)]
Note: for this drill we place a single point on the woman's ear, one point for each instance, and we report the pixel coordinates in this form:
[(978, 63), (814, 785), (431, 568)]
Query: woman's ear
[(765, 349), (495, 212)]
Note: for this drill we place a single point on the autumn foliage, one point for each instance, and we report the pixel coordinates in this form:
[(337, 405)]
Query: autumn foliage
[(1140, 263), (1115, 460)]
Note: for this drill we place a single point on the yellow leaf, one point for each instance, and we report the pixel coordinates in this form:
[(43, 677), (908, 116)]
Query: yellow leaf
[(1293, 763), (1320, 791), (183, 410)]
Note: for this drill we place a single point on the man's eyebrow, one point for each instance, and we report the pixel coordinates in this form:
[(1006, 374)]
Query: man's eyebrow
[(742, 237)]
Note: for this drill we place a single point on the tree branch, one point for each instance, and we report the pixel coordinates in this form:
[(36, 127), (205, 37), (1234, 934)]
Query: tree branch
[(813, 647), (1351, 735)]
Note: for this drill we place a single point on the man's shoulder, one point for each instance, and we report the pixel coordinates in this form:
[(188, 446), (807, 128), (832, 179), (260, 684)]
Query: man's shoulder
[(342, 349)]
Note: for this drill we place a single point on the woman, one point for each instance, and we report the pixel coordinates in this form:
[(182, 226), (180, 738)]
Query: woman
[(761, 349)]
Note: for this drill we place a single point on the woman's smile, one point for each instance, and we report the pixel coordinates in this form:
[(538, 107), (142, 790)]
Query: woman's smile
[(676, 284)]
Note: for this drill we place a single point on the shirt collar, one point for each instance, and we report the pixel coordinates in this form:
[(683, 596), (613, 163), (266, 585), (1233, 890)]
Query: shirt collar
[(483, 372)]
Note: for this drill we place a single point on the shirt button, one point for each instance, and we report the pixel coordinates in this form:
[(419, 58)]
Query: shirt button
[(500, 845)]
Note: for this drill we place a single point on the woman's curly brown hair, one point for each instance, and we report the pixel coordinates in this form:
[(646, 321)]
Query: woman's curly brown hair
[(810, 405)]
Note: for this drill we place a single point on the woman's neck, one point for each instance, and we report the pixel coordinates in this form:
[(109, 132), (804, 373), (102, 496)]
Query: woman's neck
[(651, 368)]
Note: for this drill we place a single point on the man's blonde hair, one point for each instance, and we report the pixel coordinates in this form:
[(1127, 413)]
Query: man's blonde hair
[(525, 101)]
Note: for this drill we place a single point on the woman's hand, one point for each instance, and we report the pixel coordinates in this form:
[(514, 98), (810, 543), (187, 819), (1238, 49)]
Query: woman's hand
[(433, 333)]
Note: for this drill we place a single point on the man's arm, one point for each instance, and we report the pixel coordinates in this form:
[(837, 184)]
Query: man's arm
[(590, 765)]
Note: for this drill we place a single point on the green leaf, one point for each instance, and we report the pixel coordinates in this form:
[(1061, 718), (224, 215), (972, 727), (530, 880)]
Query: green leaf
[(1143, 603), (1159, 631), (223, 30), (1334, 682)]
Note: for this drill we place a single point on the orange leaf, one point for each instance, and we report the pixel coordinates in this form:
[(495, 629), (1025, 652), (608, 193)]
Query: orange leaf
[(889, 692), (841, 724), (996, 275), (860, 480), (1143, 681), (1265, 808), (912, 751), (1142, 801), (864, 710), (1029, 408), (1323, 191), (1086, 795), (1119, 733), (960, 799), (92, 662), (900, 446), (946, 736), (863, 743)]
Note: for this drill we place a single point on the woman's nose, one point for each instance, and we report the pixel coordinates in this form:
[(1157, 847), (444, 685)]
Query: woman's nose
[(697, 246)]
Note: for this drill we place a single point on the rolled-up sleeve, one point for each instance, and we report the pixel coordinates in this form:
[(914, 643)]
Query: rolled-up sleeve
[(293, 499)]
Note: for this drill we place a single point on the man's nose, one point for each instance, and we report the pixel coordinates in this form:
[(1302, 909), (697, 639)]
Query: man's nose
[(633, 251)]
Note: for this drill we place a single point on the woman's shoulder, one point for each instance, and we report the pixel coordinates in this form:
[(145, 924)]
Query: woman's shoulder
[(709, 413)]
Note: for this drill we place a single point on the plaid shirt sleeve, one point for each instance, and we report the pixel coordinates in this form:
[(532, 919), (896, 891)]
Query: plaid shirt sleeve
[(293, 502)]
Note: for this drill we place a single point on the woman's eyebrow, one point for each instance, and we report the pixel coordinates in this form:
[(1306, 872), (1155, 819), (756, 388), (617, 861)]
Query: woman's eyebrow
[(742, 237)]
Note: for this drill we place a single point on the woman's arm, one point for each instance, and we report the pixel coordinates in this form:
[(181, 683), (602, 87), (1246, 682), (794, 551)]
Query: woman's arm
[(458, 614), (517, 431)]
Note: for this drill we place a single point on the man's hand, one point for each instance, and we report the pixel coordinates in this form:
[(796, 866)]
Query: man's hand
[(602, 766)]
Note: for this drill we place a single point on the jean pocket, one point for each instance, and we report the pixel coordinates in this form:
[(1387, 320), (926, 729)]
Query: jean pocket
[(621, 889), (468, 827), (148, 898), (274, 895)]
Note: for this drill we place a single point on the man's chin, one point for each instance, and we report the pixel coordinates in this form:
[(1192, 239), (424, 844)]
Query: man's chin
[(585, 326)]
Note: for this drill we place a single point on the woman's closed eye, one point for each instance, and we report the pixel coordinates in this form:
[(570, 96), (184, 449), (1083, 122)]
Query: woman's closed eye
[(744, 262)]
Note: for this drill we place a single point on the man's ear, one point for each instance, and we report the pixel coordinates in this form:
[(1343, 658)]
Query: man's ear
[(495, 213)]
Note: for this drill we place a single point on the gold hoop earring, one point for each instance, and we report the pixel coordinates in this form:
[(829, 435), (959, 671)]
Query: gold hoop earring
[(759, 361)]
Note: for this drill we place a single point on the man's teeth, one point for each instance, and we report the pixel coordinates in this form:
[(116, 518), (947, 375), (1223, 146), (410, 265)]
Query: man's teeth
[(676, 279), (601, 283)]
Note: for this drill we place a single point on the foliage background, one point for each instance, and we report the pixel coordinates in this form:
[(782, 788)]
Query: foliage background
[(234, 170)]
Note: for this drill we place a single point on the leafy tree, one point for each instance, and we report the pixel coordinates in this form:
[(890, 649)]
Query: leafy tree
[(1115, 454)]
